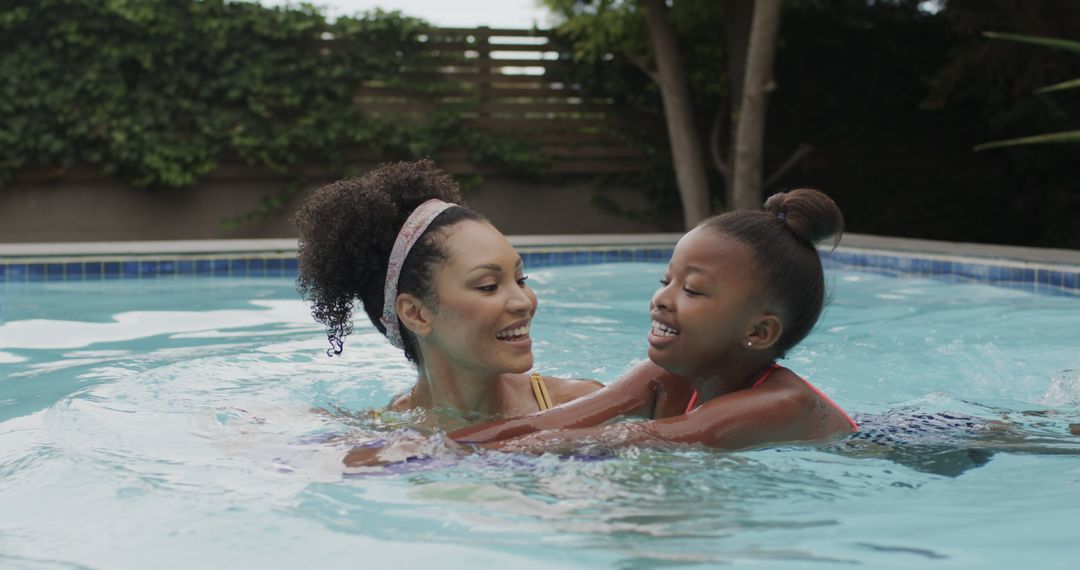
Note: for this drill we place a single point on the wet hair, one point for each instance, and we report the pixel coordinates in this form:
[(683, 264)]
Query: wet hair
[(347, 229), (782, 238)]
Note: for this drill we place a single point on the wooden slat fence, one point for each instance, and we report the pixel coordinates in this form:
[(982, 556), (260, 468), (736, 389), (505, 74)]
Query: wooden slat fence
[(504, 81)]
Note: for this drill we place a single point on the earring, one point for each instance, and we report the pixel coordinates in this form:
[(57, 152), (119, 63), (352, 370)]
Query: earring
[(748, 344)]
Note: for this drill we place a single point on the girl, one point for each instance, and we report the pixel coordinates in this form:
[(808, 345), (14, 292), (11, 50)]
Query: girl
[(438, 280), (740, 291)]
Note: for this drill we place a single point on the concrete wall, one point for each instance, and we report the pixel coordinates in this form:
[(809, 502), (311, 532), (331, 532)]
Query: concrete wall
[(86, 208)]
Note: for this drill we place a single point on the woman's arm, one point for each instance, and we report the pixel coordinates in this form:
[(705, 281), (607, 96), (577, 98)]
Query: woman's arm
[(634, 393)]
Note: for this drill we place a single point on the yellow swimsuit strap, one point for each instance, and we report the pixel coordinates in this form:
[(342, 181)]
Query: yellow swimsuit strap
[(540, 391)]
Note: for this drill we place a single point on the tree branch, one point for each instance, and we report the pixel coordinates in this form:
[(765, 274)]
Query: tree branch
[(800, 153), (643, 64)]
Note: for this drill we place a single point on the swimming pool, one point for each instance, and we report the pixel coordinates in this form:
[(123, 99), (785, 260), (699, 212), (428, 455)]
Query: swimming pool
[(176, 423)]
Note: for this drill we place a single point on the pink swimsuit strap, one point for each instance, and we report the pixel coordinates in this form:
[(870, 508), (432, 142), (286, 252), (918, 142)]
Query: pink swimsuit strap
[(854, 427)]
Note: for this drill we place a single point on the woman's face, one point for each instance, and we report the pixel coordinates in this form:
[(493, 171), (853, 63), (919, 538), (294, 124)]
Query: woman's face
[(705, 306), (484, 308)]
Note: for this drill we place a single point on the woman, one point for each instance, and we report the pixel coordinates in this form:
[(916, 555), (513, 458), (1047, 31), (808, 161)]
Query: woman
[(438, 280)]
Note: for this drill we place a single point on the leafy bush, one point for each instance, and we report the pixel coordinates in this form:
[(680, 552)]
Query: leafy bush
[(161, 92)]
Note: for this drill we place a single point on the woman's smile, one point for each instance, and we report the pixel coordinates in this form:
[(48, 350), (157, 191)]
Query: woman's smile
[(516, 335)]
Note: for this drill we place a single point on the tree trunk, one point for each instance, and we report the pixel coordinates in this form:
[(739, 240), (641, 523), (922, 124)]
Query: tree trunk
[(738, 19), (686, 151), (757, 83)]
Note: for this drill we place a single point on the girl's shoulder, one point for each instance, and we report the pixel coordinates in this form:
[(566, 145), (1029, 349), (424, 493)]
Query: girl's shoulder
[(820, 405)]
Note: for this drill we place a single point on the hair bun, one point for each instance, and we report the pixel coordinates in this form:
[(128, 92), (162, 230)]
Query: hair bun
[(809, 214)]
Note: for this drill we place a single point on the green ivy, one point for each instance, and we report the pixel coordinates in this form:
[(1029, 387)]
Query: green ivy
[(160, 93)]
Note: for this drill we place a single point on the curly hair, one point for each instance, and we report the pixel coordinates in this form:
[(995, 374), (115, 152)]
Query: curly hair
[(347, 229), (782, 238)]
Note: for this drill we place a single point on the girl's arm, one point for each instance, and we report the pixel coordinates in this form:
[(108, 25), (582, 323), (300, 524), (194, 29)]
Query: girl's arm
[(637, 392), (773, 413)]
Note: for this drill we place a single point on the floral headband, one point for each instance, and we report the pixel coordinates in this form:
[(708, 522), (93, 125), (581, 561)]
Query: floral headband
[(410, 233)]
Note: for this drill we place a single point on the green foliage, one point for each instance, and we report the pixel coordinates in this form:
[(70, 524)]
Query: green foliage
[(1059, 137), (161, 92)]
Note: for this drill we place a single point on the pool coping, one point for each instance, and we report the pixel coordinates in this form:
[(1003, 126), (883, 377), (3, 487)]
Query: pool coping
[(1055, 269)]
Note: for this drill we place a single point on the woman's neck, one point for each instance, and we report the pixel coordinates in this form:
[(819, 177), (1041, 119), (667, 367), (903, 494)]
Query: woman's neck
[(443, 384)]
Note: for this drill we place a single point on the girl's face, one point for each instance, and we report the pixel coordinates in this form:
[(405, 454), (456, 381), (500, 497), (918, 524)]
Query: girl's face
[(705, 309), (484, 307)]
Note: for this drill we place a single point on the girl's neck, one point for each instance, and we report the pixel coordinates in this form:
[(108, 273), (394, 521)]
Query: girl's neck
[(444, 385), (729, 377)]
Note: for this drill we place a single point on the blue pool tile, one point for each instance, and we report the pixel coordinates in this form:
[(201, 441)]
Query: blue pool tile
[(35, 271), (167, 268), (905, 264), (149, 269), (274, 267), (3, 272), (1070, 279), (611, 256), (1057, 279), (185, 267), (54, 271), (112, 269), (977, 271), (892, 263), (291, 266), (839, 256), (536, 259), (1025, 275), (626, 255), (939, 267), (220, 267), (203, 267), (129, 269), (596, 257), (238, 267), (16, 272), (93, 270), (565, 258), (257, 267), (73, 271)]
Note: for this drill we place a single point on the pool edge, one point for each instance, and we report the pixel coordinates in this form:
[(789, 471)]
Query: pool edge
[(1052, 270)]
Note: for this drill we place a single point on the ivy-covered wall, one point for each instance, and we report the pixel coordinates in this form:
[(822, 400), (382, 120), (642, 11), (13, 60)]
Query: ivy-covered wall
[(160, 93)]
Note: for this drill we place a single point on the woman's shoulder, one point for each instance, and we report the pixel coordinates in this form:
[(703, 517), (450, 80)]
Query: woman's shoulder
[(564, 390)]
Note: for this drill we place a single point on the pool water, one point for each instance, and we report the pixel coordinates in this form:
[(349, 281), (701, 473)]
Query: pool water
[(190, 423)]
